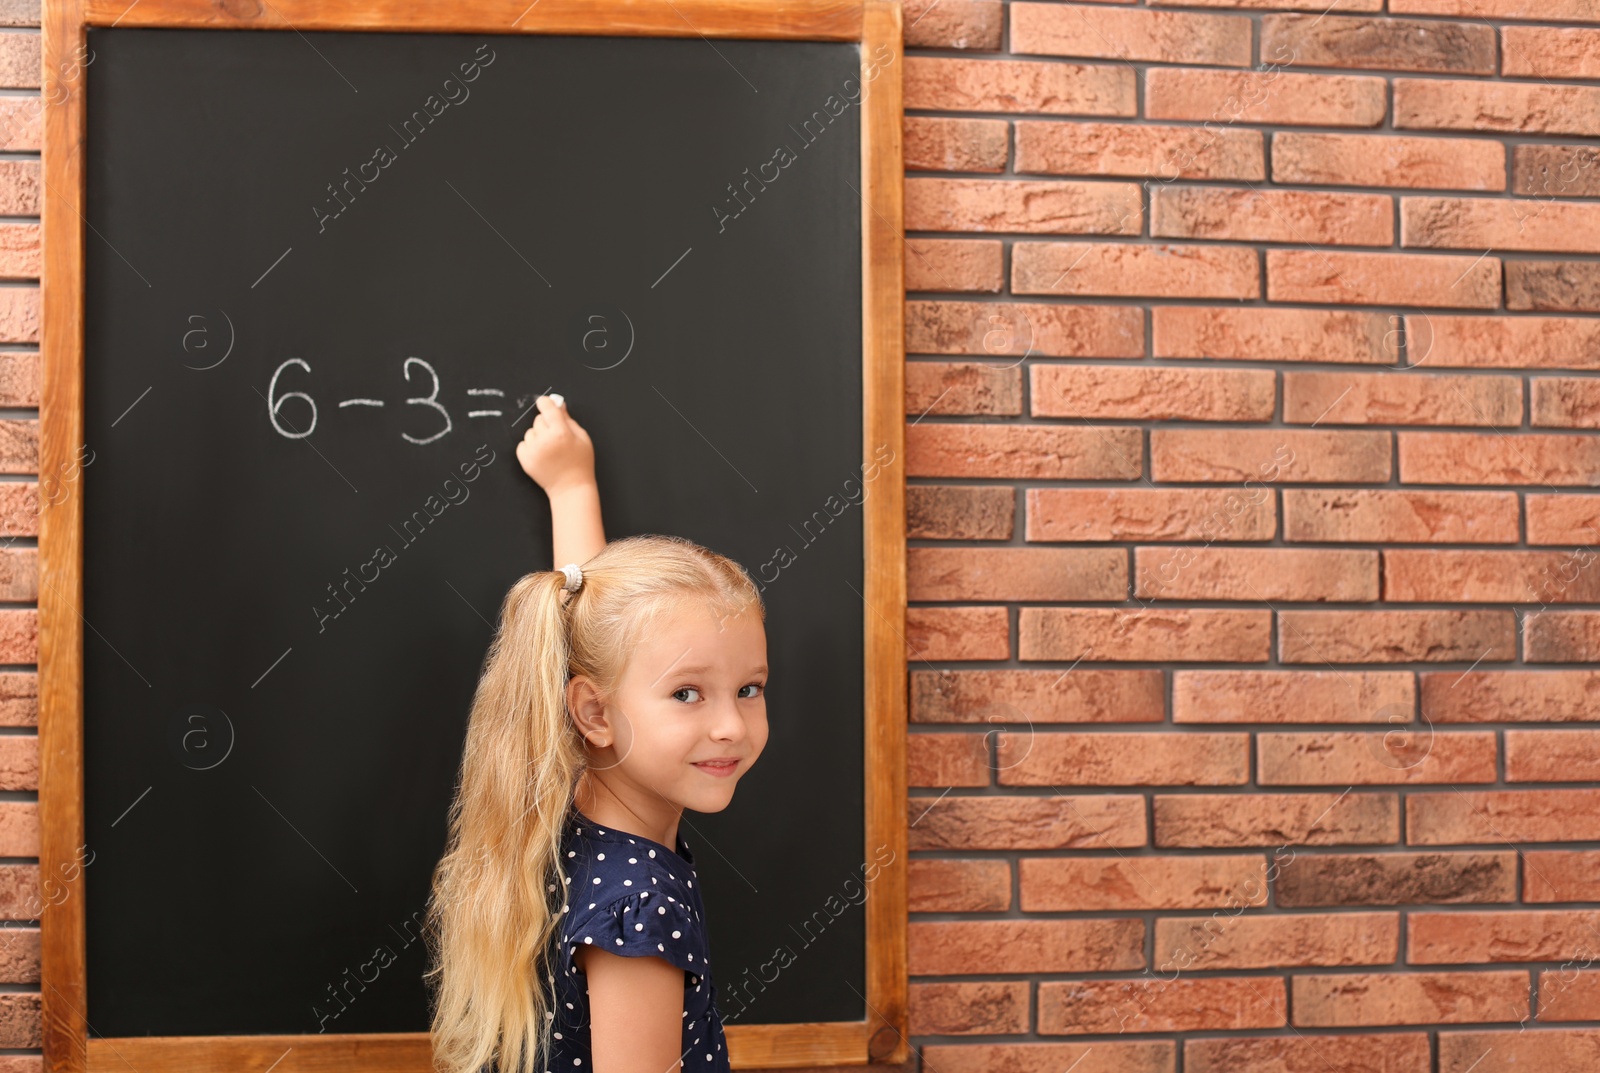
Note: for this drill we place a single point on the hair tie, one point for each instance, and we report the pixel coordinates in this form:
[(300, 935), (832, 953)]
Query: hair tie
[(574, 577)]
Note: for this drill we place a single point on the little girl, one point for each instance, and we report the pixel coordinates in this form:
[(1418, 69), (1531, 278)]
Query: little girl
[(566, 924)]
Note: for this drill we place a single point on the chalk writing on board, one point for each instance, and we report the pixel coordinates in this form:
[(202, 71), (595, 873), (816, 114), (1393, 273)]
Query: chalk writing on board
[(383, 556), (384, 156), (287, 427)]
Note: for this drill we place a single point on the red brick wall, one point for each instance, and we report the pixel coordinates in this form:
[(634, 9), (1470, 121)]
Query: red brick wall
[(1252, 404)]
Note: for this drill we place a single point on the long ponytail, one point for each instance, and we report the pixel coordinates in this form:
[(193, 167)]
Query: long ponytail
[(498, 891)]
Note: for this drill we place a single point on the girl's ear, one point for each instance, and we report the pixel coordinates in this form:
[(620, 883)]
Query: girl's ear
[(588, 711)]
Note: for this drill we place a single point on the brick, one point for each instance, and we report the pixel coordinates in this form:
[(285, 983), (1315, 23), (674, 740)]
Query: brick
[(1271, 215), (1027, 205), (1277, 335), (19, 834), (1398, 879), (1152, 393), (1395, 636), (1280, 941), (1301, 819), (1551, 10), (1448, 104), (1567, 994), (1115, 884), (947, 264), (1085, 695), (1551, 51), (19, 251), (1559, 875), (19, 635), (19, 13), (20, 60), (21, 128), (953, 633), (1498, 223), (19, 707), (958, 886), (1255, 574), (1562, 519), (1160, 1004), (1498, 458), (1305, 100), (19, 505), (1399, 517), (1128, 269), (1552, 755), (1267, 455), (1555, 170), (947, 760), (1561, 637), (1291, 696), (1451, 576), (1413, 998), (1101, 514), (1564, 402), (1383, 279), (996, 574), (19, 321), (1024, 329), (945, 143), (1506, 935), (1084, 758), (20, 183), (1144, 1056), (1100, 821), (1504, 342), (1388, 160), (1391, 1052), (19, 386), (1549, 1051), (959, 387), (1056, 29), (1153, 634), (1382, 44), (1522, 815), (1129, 149), (969, 1009), (1510, 696), (1023, 451), (1277, 5), (963, 85), (959, 512), (1405, 753), (953, 24), (949, 947), (1401, 398), (1560, 286)]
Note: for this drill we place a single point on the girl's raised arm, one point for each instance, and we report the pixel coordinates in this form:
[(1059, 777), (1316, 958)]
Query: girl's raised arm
[(557, 454)]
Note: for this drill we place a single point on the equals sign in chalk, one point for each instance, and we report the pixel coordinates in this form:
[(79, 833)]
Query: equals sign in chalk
[(484, 391)]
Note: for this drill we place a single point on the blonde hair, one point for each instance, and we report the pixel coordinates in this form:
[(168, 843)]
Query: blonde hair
[(498, 893)]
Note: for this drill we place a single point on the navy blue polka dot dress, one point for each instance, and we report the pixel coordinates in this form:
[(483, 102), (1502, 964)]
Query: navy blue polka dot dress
[(632, 896)]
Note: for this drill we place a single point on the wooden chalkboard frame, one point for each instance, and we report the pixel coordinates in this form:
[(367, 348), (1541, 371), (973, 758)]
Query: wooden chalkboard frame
[(876, 25)]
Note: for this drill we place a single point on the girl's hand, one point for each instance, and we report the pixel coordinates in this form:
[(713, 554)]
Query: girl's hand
[(555, 451)]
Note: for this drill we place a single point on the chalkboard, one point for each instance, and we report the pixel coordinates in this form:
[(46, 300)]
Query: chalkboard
[(325, 274)]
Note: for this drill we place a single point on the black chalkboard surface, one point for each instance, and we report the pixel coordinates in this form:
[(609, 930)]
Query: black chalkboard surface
[(326, 275)]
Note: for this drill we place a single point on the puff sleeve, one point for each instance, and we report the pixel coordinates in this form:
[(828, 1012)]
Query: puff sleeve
[(650, 923)]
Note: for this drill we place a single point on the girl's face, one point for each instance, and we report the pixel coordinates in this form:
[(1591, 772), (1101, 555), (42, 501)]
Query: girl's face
[(690, 714)]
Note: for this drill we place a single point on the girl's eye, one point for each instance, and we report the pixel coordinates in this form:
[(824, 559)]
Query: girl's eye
[(685, 689), (755, 685)]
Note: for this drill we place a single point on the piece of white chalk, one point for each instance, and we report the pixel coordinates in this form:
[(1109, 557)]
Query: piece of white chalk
[(559, 400)]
